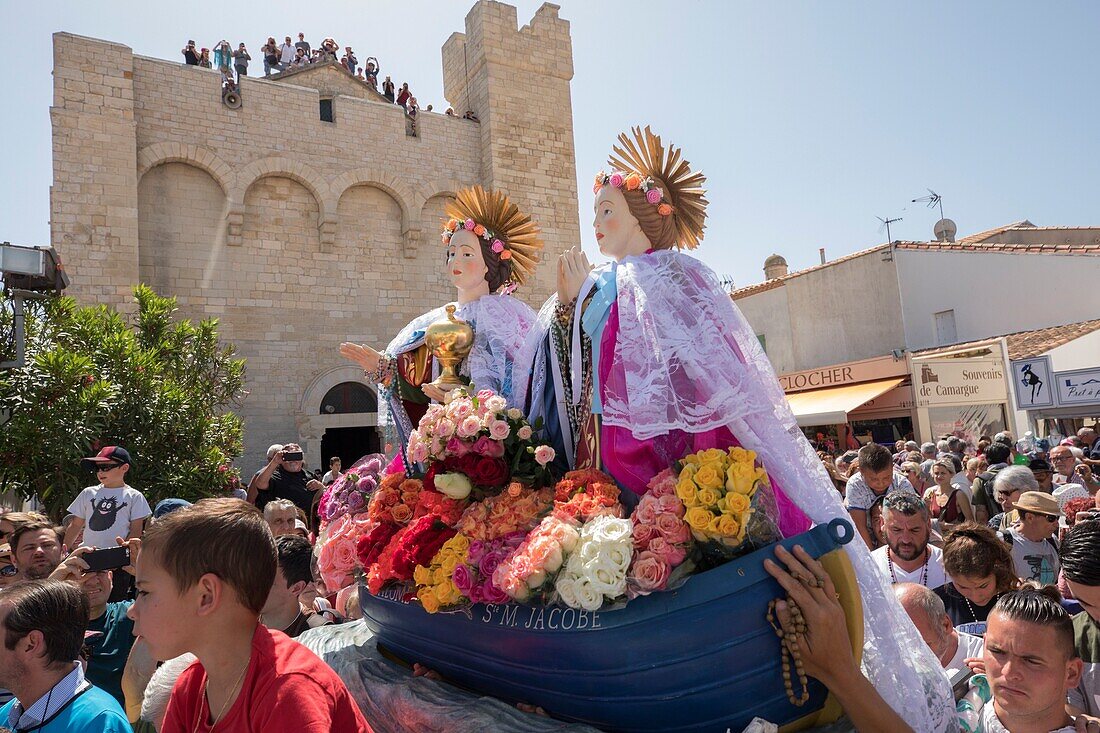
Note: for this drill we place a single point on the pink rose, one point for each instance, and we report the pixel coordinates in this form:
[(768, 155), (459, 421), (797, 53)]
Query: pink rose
[(469, 427), (486, 446), (419, 453), (444, 428), (491, 594), (670, 504), (544, 454), (666, 552), (643, 534), (646, 512), (499, 430), (650, 572), (498, 246), (484, 394), (616, 180), (673, 529), (653, 196), (459, 409), (469, 225), (457, 447), (463, 579), (524, 433)]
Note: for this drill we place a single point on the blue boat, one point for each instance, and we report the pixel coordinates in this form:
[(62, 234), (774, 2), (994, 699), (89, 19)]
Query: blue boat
[(699, 658)]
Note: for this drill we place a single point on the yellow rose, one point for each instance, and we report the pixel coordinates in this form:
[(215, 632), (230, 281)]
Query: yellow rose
[(736, 504), (741, 478), (728, 526), (692, 460), (422, 575), (429, 601), (711, 455), (687, 493), (448, 565), (709, 497), (443, 592), (698, 518), (439, 575), (741, 455), (709, 477), (460, 543), (715, 522)]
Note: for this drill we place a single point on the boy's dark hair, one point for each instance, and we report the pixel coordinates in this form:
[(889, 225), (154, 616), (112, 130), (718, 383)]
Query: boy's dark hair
[(226, 537), (59, 610), (294, 554), (873, 457), (997, 453), (1080, 553), (1041, 606), (334, 459)]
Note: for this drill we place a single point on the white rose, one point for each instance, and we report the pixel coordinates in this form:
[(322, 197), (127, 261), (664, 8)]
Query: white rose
[(496, 403), (454, 485), (554, 561), (619, 554), (605, 576), (610, 529), (515, 413), (569, 542), (587, 596), (575, 565), (535, 579), (565, 586)]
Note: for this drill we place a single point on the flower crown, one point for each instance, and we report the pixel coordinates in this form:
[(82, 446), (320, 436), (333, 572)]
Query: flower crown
[(633, 182), (479, 230)]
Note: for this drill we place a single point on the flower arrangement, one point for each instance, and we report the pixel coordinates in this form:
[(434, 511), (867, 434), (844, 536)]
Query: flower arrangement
[(596, 569), (412, 545), (396, 499), (719, 490), (351, 493), (453, 225), (586, 493), (475, 579), (633, 182), (515, 510), (477, 436), (370, 545), (532, 565), (662, 540), (338, 556), (436, 588)]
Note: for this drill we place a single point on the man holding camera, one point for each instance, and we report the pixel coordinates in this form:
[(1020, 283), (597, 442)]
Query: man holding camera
[(284, 477), (190, 54)]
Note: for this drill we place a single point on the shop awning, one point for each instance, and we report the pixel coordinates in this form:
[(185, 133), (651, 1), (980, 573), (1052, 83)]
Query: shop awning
[(831, 406)]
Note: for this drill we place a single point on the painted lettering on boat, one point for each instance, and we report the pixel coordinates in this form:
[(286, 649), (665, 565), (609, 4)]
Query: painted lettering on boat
[(554, 618)]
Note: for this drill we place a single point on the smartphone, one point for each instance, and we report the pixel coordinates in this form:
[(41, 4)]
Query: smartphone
[(292, 456), (111, 558)]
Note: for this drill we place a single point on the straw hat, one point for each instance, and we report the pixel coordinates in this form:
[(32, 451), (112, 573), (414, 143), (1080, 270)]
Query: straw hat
[(1038, 502)]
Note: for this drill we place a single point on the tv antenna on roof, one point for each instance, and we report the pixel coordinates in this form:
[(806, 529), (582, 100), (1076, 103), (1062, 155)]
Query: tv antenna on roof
[(944, 229), (886, 225)]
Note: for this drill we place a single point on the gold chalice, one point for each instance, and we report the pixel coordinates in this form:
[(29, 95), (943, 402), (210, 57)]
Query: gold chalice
[(450, 341)]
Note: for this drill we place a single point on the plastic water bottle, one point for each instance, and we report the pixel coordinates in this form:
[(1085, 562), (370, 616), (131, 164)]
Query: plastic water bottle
[(969, 708)]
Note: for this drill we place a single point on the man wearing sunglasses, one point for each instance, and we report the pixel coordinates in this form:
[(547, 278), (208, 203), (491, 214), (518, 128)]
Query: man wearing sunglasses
[(1034, 549), (8, 571)]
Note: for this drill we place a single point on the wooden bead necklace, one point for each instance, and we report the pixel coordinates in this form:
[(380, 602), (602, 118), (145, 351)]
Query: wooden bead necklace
[(788, 643)]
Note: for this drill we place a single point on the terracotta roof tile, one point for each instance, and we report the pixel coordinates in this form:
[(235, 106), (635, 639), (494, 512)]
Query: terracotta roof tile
[(1028, 344), (981, 236)]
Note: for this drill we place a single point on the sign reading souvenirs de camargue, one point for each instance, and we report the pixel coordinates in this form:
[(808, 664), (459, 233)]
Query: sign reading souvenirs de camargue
[(959, 381), (1077, 387), (1032, 382)]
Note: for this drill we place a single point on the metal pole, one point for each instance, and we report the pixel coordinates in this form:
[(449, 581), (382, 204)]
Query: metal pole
[(17, 326)]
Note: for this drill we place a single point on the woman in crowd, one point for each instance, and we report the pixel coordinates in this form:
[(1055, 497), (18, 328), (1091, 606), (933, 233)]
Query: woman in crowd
[(204, 59), (912, 472), (947, 502), (981, 569), (1009, 483)]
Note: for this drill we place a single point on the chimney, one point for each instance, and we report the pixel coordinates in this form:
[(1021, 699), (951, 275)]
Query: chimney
[(775, 267), (821, 252)]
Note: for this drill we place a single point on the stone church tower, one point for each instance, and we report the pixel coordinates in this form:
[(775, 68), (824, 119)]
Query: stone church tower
[(296, 232)]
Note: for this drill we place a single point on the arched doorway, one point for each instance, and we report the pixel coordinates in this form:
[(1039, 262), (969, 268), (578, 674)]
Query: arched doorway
[(350, 443)]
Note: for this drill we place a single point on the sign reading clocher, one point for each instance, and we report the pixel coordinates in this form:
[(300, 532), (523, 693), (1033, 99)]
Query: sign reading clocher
[(840, 375), (1077, 387), (959, 381)]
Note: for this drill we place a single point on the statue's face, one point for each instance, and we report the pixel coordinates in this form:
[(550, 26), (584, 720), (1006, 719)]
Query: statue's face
[(465, 261), (617, 232)]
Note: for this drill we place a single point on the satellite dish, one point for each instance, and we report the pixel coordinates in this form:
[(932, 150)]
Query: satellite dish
[(945, 230)]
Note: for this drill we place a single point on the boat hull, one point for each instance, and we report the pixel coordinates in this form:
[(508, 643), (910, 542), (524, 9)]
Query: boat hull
[(699, 658)]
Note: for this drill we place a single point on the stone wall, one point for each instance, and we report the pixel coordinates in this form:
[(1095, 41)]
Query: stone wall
[(297, 233)]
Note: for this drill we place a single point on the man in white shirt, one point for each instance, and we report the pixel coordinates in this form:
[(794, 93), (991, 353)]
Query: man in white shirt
[(958, 652), (907, 557), (287, 51)]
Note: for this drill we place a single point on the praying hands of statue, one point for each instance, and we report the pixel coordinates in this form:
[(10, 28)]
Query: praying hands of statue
[(573, 268)]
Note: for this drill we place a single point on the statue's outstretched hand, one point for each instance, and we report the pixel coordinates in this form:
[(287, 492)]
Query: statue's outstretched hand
[(573, 268), (364, 356)]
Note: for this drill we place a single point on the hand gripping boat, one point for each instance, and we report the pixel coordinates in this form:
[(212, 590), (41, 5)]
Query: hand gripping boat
[(700, 658)]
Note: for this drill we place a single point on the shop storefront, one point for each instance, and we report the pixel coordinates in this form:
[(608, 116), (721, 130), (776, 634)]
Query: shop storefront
[(1055, 375), (961, 394), (844, 406)]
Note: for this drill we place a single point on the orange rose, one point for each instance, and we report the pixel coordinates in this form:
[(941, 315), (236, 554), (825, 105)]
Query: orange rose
[(479, 230), (452, 225), (632, 181), (664, 209), (401, 513)]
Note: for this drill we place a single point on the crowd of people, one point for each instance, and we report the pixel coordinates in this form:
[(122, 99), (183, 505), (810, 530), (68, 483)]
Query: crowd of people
[(989, 550), (291, 55)]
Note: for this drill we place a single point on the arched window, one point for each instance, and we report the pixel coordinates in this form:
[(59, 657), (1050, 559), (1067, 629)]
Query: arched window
[(349, 397)]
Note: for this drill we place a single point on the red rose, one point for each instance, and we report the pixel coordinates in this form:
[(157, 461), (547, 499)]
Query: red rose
[(485, 472)]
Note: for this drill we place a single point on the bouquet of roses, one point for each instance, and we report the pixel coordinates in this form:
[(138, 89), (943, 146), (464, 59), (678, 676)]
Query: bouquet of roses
[(474, 579), (514, 510), (436, 588), (532, 565), (337, 558), (476, 442), (396, 499), (351, 493), (596, 569), (721, 492), (586, 493), (415, 544), (662, 540)]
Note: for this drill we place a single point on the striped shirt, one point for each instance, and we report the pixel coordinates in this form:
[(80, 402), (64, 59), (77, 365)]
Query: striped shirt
[(50, 703)]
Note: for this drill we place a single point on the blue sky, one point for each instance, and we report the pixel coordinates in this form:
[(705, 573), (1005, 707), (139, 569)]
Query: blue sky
[(809, 118)]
